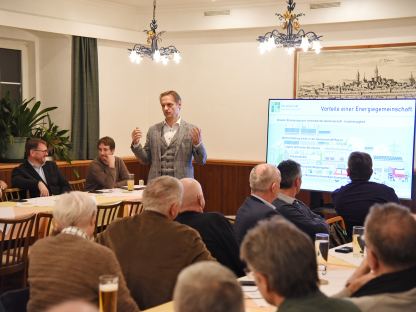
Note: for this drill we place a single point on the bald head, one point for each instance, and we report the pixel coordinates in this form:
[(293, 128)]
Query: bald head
[(193, 197), (265, 181)]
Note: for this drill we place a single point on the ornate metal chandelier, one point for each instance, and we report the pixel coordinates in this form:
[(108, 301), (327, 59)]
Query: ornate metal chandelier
[(295, 37), (151, 50)]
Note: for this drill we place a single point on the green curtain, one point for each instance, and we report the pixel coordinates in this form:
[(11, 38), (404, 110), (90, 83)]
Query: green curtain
[(85, 98)]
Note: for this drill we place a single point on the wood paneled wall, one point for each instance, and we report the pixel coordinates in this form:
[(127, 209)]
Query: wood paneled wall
[(225, 182)]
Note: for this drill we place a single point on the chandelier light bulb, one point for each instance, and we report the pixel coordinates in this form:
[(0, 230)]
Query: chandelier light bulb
[(262, 47), (132, 56), (270, 44), (316, 46), (177, 57), (304, 44), (164, 60), (290, 50), (156, 56)]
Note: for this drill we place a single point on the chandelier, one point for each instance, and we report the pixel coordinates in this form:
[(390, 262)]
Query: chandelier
[(151, 49), (295, 37)]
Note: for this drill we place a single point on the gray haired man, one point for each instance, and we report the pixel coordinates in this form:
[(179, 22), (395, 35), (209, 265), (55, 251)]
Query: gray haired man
[(283, 261)]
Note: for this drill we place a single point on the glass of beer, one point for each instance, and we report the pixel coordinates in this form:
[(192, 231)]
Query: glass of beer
[(108, 287), (130, 182), (358, 243), (321, 249)]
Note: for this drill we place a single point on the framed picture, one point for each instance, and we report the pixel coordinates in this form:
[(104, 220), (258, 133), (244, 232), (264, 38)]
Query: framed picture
[(365, 72)]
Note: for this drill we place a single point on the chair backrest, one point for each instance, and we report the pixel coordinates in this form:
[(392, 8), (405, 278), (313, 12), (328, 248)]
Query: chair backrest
[(105, 215), (230, 218), (337, 232), (44, 225), (15, 236), (336, 219), (77, 185), (134, 207), (11, 193)]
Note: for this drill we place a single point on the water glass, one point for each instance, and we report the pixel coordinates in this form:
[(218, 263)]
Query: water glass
[(130, 182), (322, 249), (358, 243)]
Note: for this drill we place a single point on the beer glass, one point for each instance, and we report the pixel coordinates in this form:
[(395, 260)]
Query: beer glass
[(321, 249), (358, 243), (108, 287), (130, 182)]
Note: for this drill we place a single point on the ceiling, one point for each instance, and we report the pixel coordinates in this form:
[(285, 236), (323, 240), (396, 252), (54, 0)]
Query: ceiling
[(195, 3)]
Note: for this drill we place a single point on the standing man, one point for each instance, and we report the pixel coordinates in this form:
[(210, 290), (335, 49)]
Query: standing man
[(171, 144), (107, 171), (38, 176)]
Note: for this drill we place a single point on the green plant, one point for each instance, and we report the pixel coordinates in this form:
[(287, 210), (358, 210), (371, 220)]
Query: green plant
[(24, 119), (59, 143)]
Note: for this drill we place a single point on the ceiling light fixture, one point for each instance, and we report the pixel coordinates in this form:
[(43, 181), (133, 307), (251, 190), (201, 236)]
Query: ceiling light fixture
[(151, 50), (290, 40)]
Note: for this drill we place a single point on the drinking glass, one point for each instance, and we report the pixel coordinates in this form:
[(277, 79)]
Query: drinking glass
[(130, 182), (108, 287), (358, 243), (321, 249)]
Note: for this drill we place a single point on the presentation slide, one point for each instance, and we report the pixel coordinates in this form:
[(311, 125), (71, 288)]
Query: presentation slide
[(320, 135)]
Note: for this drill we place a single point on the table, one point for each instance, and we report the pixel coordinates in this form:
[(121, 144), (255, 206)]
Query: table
[(14, 210), (340, 268)]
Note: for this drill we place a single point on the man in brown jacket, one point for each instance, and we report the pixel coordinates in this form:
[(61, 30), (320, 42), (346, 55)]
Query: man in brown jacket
[(152, 248), (67, 266)]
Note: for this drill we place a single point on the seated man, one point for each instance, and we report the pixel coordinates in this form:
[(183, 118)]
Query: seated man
[(40, 177), (386, 280), (106, 171), (207, 287), (152, 248), (283, 261), (353, 201), (67, 266), (292, 209), (215, 230), (265, 185)]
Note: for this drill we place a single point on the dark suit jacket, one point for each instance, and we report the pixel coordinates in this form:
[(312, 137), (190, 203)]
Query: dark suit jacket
[(302, 216), (353, 201), (218, 235), (26, 178), (251, 211)]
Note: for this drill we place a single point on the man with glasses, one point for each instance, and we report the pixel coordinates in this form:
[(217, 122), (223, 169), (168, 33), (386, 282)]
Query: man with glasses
[(38, 176)]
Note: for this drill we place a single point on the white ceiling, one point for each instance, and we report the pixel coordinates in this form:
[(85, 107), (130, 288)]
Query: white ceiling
[(148, 4)]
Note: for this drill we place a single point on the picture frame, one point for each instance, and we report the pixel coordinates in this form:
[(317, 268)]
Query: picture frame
[(362, 71)]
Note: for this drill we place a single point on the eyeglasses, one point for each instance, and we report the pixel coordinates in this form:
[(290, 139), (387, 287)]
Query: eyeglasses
[(42, 151)]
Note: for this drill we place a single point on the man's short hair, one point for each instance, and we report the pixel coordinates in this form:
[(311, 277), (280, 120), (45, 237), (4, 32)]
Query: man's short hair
[(207, 286), (33, 143), (74, 209), (161, 193), (262, 176), (289, 171), (175, 95), (285, 255), (390, 229), (107, 141), (360, 166)]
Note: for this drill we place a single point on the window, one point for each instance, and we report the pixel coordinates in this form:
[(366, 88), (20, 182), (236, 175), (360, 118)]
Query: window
[(11, 73)]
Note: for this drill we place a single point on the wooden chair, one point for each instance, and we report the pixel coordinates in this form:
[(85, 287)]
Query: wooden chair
[(134, 207), (11, 193), (44, 225), (336, 219), (15, 237), (105, 215), (230, 218), (77, 185)]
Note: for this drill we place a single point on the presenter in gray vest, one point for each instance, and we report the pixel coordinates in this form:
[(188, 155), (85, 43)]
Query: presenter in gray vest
[(171, 144)]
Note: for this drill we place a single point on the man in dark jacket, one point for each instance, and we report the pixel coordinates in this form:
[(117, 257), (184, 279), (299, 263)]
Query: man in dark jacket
[(38, 176)]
